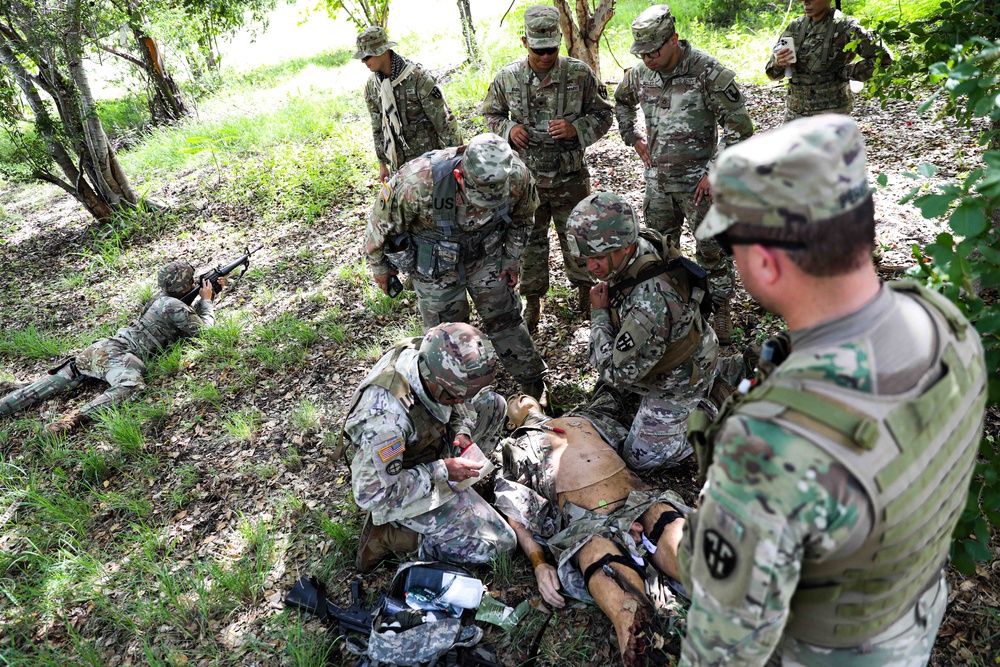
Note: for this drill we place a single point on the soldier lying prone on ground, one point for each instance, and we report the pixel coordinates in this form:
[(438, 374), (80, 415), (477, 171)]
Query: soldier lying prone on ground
[(563, 483)]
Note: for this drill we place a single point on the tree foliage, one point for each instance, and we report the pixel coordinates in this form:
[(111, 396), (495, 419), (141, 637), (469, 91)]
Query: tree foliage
[(362, 13), (959, 54)]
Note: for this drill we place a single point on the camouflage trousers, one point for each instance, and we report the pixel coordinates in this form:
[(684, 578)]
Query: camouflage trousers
[(666, 212), (906, 643), (444, 299), (795, 115), (106, 360), (556, 204), (467, 529), (584, 525)]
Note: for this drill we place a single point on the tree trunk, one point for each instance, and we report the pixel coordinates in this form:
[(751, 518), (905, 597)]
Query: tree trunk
[(469, 33), (166, 104), (583, 36)]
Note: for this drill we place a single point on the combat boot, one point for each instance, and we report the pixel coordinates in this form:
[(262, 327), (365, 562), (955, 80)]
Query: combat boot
[(722, 322), (379, 542), (583, 300), (66, 423), (532, 310)]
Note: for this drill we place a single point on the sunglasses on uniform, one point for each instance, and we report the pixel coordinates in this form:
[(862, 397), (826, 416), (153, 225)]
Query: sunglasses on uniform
[(551, 51)]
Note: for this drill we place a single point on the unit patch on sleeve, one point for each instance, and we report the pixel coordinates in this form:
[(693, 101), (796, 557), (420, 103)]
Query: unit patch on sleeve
[(720, 556), (732, 93), (392, 450), (436, 93), (385, 192), (624, 342), (394, 467)]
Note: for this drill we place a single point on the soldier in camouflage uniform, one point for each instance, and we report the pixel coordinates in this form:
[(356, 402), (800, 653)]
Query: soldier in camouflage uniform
[(836, 482), (120, 360), (409, 113), (685, 95), (562, 483), (418, 408), (550, 108), (822, 71), (456, 221), (647, 333)]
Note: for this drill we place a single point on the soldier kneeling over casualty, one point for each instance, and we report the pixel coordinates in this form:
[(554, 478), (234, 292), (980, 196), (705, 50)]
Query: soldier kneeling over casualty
[(611, 535), (420, 406), (120, 360)]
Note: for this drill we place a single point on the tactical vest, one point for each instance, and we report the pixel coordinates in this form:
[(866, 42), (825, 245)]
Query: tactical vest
[(678, 274), (823, 90), (913, 453), (446, 248), (432, 434), (545, 155)]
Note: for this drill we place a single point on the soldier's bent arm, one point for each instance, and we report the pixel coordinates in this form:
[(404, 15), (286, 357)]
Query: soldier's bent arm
[(626, 103), (523, 202), (436, 108), (772, 500), (597, 113), (871, 51), (773, 71), (462, 421), (381, 432), (496, 110), (384, 222), (190, 321), (624, 357), (374, 103), (726, 101)]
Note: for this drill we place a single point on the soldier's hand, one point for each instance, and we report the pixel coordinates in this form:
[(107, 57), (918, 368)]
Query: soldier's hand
[(548, 585), (383, 280), (642, 148), (205, 291), (519, 136), (383, 172), (561, 129), (783, 57), (460, 469), (462, 441), (509, 278), (599, 296), (703, 190)]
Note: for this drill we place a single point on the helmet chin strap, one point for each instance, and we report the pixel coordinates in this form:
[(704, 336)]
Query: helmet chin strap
[(616, 270)]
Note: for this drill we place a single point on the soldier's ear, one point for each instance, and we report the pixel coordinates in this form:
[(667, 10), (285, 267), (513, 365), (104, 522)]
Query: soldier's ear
[(524, 41)]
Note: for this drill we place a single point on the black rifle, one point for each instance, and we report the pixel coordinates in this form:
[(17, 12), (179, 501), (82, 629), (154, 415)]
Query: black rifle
[(219, 272), (309, 594)]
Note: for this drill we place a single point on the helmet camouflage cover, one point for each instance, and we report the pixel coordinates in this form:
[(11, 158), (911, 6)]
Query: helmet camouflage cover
[(600, 223), (487, 164), (456, 357), (176, 277)]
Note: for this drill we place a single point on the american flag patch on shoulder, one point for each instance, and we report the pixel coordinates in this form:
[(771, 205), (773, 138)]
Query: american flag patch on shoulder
[(391, 451)]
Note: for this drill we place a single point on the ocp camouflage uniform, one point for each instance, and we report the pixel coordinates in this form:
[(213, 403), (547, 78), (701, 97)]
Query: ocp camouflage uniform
[(654, 342), (119, 360), (568, 91), (835, 483), (684, 109), (823, 70), (447, 260), (454, 526)]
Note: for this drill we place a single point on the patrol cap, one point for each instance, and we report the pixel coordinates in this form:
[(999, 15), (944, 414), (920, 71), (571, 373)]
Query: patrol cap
[(600, 223), (487, 163), (651, 29), (775, 184), (176, 277), (541, 27), (456, 357), (373, 41)]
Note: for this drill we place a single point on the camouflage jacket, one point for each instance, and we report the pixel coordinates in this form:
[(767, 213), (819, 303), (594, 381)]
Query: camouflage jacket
[(428, 122), (380, 431), (405, 204), (163, 321), (684, 109), (569, 91), (652, 318), (822, 69), (776, 501)]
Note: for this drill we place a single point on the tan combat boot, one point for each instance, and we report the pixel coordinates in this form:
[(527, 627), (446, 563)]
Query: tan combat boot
[(532, 311), (66, 423), (583, 300), (379, 542), (722, 322)]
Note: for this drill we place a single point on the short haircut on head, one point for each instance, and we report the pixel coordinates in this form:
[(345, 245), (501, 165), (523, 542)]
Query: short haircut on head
[(838, 245)]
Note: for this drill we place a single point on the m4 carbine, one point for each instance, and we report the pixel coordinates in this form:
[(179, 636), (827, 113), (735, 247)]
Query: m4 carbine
[(220, 272)]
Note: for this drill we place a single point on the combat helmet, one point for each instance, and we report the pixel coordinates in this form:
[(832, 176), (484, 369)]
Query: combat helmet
[(456, 358), (600, 223), (487, 164), (176, 277)]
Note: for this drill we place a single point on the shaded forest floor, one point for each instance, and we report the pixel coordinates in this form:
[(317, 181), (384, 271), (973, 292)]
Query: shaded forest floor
[(169, 532)]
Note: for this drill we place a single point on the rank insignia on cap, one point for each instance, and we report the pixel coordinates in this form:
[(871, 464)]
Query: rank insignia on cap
[(625, 342), (720, 556), (391, 451), (385, 192)]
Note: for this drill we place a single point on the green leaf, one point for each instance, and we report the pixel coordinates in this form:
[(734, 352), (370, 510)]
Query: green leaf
[(934, 206), (927, 169), (978, 551), (882, 179), (962, 561), (968, 220)]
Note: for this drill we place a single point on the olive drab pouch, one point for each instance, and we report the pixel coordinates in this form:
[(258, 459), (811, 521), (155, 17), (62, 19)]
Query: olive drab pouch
[(420, 620)]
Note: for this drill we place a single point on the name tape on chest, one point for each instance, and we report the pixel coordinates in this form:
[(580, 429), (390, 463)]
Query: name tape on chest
[(391, 450)]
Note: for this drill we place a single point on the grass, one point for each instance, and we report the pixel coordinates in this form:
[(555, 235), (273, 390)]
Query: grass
[(33, 343), (243, 424)]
